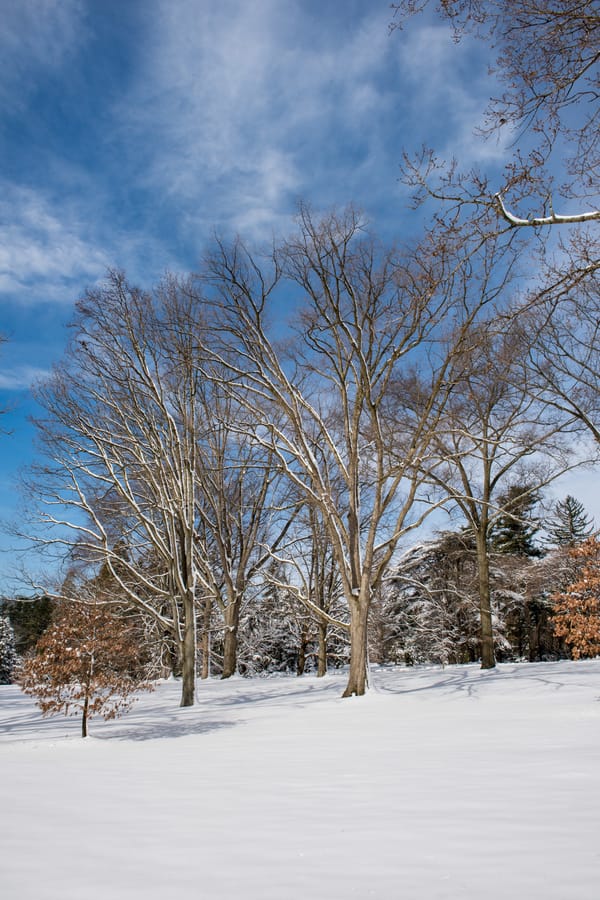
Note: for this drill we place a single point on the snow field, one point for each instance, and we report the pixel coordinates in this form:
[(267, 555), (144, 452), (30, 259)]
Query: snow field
[(438, 785)]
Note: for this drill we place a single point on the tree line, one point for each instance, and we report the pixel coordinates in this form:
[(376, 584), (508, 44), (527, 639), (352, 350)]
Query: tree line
[(284, 421), (94, 658)]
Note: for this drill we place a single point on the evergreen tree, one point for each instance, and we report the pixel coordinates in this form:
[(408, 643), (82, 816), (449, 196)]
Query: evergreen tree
[(431, 607), (29, 618), (570, 524), (8, 654), (516, 527)]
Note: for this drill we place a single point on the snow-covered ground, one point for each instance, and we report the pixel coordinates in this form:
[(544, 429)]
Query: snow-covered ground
[(452, 783)]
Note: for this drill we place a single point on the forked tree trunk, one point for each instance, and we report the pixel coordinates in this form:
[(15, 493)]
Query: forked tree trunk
[(170, 656), (230, 641), (357, 676), (488, 659)]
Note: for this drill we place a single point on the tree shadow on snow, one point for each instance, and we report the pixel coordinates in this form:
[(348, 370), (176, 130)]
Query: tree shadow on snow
[(169, 726), (446, 682), (471, 680), (295, 693)]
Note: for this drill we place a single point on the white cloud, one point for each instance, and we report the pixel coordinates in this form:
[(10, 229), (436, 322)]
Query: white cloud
[(451, 88), (239, 110), (21, 378), (53, 246), (40, 250), (250, 105)]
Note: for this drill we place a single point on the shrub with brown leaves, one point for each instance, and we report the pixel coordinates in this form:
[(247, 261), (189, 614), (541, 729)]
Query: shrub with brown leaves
[(88, 662), (577, 609)]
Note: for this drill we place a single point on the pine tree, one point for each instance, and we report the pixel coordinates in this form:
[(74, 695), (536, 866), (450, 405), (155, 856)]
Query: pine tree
[(570, 524), (515, 528), (577, 609), (88, 662), (8, 653), (29, 617), (431, 606)]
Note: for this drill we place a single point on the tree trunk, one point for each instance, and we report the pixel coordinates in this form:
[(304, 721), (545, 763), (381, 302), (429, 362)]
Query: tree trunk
[(302, 645), (205, 641), (230, 642), (169, 656), (84, 717), (188, 653), (357, 676), (488, 659), (322, 652)]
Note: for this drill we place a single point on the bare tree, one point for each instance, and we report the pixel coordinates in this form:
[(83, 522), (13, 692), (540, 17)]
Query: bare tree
[(548, 58), (548, 61), (306, 570), (119, 438), (362, 314), (324, 587), (143, 447), (497, 443), (565, 356), (242, 515)]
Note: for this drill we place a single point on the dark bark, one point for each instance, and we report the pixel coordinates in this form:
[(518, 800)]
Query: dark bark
[(205, 640), (322, 651), (488, 659), (84, 717), (188, 654), (230, 641), (302, 648)]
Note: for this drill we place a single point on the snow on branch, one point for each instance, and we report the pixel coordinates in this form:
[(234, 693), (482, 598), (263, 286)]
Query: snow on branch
[(552, 219)]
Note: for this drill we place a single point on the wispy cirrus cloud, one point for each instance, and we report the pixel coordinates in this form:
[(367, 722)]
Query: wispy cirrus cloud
[(40, 250), (36, 38), (52, 247), (254, 106), (251, 107), (450, 85), (21, 378), (230, 114)]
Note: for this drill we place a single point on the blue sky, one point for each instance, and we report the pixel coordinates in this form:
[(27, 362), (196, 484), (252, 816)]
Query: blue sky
[(130, 129)]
